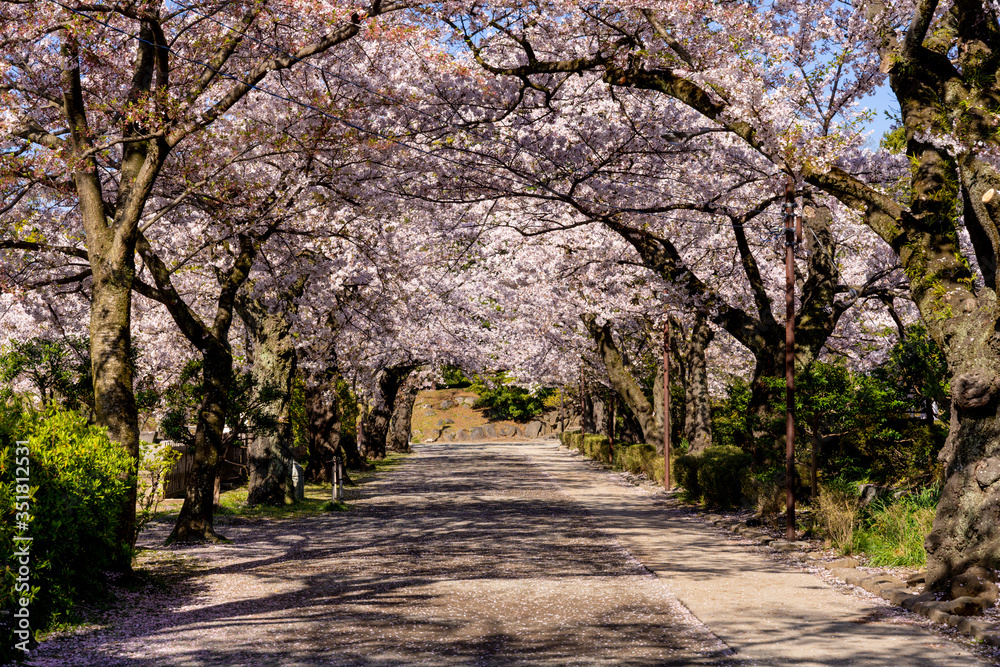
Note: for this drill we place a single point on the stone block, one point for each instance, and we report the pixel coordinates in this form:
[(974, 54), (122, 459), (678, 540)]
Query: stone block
[(477, 433), (785, 545), (843, 572), (855, 577), (937, 612), (917, 578), (911, 602), (877, 583), (533, 429), (896, 596), (841, 564), (966, 606), (299, 481), (975, 628), (991, 638)]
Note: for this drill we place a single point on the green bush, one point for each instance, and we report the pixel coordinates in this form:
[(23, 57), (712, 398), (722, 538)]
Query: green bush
[(639, 458), (78, 481), (504, 400), (686, 474), (597, 447), (721, 473), (573, 440), (717, 476)]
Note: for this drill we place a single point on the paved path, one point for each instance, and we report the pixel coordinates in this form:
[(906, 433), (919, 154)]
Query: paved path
[(491, 555), (766, 612)]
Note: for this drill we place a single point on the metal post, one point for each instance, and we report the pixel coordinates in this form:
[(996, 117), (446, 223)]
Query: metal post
[(611, 427), (562, 409), (334, 495), (790, 359), (666, 404)]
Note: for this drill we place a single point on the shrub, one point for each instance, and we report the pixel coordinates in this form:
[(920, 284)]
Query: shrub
[(716, 476), (766, 494), (504, 400), (837, 515), (573, 440), (721, 472), (78, 481), (597, 447), (686, 473), (155, 463)]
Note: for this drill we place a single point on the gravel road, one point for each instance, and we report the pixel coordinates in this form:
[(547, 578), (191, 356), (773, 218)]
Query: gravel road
[(463, 555)]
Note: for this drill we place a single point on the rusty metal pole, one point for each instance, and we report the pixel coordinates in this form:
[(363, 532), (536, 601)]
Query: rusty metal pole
[(666, 404), (613, 404), (790, 359)]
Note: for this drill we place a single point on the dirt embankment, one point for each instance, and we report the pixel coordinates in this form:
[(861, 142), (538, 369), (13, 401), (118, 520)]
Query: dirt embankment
[(448, 415)]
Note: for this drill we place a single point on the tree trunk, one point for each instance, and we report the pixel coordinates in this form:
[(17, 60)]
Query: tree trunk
[(195, 520), (274, 364), (628, 389), (323, 435), (402, 415), (375, 428), (697, 401), (114, 400)]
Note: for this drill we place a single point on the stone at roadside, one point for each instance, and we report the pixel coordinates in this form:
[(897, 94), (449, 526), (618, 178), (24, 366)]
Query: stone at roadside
[(877, 583), (429, 413), (855, 577), (490, 431), (975, 582), (841, 564), (477, 433), (533, 429), (966, 606), (467, 400), (785, 545), (298, 481), (869, 493), (446, 404), (976, 628), (896, 595), (843, 573), (912, 602)]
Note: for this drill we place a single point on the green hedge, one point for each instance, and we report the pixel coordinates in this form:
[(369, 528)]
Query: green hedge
[(714, 477), (572, 439), (597, 447), (686, 474), (77, 482), (639, 458)]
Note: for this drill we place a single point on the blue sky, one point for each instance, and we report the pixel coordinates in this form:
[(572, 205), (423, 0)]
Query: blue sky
[(881, 101)]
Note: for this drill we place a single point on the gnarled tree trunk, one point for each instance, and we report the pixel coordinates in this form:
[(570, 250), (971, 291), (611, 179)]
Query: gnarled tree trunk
[(195, 522), (274, 364), (402, 415), (650, 421), (375, 427), (697, 401)]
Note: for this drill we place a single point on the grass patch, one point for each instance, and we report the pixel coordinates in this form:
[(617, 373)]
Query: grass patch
[(317, 496), (892, 533)]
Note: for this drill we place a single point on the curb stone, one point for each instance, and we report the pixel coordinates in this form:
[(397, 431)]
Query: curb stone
[(890, 588)]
